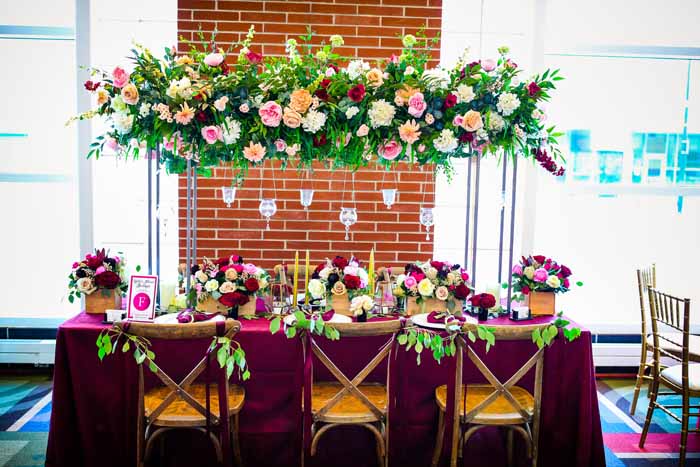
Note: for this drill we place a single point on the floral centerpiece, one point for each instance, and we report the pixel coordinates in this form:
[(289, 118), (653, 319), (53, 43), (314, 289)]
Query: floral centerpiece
[(539, 278), (338, 281), (241, 108), (228, 284), (101, 279), (433, 286)]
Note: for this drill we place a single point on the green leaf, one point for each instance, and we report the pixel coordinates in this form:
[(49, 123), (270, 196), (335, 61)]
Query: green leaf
[(419, 347), (291, 332), (471, 336), (229, 369), (126, 346), (403, 339), (138, 268), (536, 335), (151, 355), (579, 283), (101, 353), (221, 356), (71, 298), (152, 366), (275, 325), (246, 375)]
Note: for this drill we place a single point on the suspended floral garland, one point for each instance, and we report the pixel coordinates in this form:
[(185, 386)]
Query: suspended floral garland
[(305, 107)]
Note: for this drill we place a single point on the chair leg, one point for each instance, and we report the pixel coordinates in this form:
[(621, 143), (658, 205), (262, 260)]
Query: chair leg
[(684, 430), (236, 442), (440, 439), (638, 384), (509, 443), (650, 411)]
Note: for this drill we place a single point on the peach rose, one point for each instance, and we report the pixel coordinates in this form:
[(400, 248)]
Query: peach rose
[(406, 92), (472, 121), (102, 97), (375, 77), (362, 131), (291, 118), (300, 100), (270, 113), (130, 94), (254, 152)]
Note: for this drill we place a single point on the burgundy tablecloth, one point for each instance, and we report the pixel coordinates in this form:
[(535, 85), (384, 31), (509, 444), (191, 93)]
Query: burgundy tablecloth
[(94, 404)]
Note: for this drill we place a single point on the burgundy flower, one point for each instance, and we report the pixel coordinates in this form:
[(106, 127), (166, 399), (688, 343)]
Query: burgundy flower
[(483, 300), (325, 82), (533, 89), (238, 268), (340, 262), (351, 282), (437, 264), (319, 268), (90, 86), (96, 260), (233, 299), (320, 140), (565, 271), (253, 57), (511, 64), (224, 68), (462, 292), (525, 290), (450, 101), (221, 262), (565, 283), (108, 280), (201, 116), (322, 94), (540, 258), (251, 284), (357, 93), (466, 137)]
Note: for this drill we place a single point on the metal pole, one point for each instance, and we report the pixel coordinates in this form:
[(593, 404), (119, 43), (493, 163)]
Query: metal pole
[(158, 214), (512, 228), (194, 214), (149, 166), (469, 202), (503, 212), (476, 217), (187, 229)]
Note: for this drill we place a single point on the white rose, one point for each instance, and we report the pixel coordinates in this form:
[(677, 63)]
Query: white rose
[(465, 93), (211, 285), (426, 288), (123, 122), (201, 276), (529, 272), (496, 122), (507, 103), (451, 278), (324, 273), (360, 304), (441, 293), (227, 287), (409, 71), (553, 282), (85, 285), (431, 273), (317, 289), (400, 278), (351, 112), (381, 113)]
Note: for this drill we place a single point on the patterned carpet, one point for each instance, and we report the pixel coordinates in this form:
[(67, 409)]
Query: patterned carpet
[(25, 408)]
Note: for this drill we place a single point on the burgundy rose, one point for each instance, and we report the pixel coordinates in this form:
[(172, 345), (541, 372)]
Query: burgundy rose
[(221, 262), (483, 300), (462, 291), (437, 264), (224, 68), (253, 57), (351, 282), (340, 262), (566, 283), (319, 268), (525, 290), (565, 271), (357, 93), (325, 82), (320, 140), (108, 280), (321, 94), (201, 116), (533, 89), (96, 260), (466, 137), (450, 101), (540, 259), (251, 284), (335, 67), (233, 299), (90, 86)]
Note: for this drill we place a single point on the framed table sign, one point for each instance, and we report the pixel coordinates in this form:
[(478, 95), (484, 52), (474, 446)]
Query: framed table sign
[(142, 298)]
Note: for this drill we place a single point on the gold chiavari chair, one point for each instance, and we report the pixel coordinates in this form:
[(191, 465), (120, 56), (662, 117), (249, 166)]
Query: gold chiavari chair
[(183, 405), (496, 403), (645, 278), (672, 313)]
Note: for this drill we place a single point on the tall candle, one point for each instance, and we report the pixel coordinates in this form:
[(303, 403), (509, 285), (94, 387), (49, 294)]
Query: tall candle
[(495, 290), (295, 287), (306, 277), (371, 272)]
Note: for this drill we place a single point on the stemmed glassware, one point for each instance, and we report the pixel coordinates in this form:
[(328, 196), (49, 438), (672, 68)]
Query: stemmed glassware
[(348, 217), (306, 197), (389, 196), (267, 208), (426, 219), (229, 194)]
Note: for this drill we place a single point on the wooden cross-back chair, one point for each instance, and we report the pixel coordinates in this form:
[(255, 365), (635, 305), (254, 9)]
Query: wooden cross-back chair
[(352, 401), (669, 313), (493, 404), (646, 277), (184, 404)]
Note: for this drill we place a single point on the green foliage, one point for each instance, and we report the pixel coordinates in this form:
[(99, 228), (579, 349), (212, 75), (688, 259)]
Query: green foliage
[(108, 341), (230, 355), (441, 344), (303, 322), (545, 336)]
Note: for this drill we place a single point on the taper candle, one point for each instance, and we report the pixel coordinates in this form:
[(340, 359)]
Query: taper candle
[(306, 278), (371, 272), (295, 288)]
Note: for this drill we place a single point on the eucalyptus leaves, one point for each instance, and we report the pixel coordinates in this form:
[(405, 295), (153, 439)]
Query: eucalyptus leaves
[(300, 321)]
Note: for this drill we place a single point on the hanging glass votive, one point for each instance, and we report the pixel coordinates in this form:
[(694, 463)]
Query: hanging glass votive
[(426, 219), (348, 217), (306, 197), (389, 197), (267, 208), (229, 194)]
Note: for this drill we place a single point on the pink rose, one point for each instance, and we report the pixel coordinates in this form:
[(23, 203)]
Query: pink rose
[(390, 150), (540, 275), (250, 268), (421, 148), (489, 64), (270, 113), (394, 59), (410, 282), (518, 270), (111, 143), (280, 145), (457, 121), (465, 276), (416, 105), (170, 144), (100, 270), (244, 108), (213, 59), (119, 77), (75, 265), (212, 134), (363, 130)]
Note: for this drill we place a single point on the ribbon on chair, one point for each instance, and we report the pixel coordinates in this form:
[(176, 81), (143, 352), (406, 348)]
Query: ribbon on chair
[(450, 403), (308, 377), (223, 396)]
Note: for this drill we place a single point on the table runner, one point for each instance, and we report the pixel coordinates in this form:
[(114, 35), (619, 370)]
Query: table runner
[(94, 404)]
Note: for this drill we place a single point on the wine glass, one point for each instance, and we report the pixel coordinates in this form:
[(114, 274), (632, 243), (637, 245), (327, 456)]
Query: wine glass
[(229, 194), (267, 208), (389, 196), (426, 219), (348, 216), (306, 197)]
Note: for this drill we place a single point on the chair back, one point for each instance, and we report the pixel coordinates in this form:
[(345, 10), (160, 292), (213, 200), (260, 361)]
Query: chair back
[(190, 331), (670, 326), (646, 277), (351, 386)]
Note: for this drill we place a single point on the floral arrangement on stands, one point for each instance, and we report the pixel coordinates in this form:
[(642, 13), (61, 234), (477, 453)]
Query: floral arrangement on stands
[(540, 274), (241, 108), (433, 279), (97, 271), (339, 277), (228, 280)]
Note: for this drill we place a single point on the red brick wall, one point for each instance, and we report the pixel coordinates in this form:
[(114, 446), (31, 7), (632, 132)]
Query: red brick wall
[(371, 29)]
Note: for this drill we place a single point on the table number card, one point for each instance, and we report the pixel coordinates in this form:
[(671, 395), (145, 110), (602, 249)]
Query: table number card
[(142, 298)]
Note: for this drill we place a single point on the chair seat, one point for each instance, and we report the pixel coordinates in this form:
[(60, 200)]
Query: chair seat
[(350, 409), (693, 344), (673, 374), (180, 413), (499, 412)]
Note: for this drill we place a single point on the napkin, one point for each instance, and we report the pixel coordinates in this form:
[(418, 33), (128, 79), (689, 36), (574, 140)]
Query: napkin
[(328, 315)]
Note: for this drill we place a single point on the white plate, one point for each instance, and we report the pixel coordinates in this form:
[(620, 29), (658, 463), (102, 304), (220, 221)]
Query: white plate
[(421, 320), (171, 318), (338, 318)]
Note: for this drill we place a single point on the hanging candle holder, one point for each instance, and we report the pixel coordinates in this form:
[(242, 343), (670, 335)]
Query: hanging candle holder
[(389, 197), (228, 193), (306, 197), (267, 208), (348, 217), (426, 219)]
